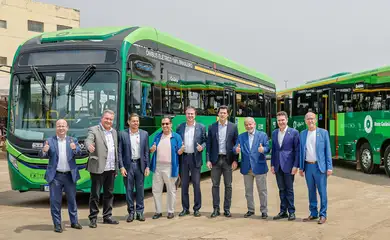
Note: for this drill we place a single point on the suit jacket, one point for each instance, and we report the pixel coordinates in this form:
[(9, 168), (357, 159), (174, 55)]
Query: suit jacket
[(199, 137), (251, 158), (97, 159), (124, 149), (212, 145), (53, 158), (286, 156), (323, 152)]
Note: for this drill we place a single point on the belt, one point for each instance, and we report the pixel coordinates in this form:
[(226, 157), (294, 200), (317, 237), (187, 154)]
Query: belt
[(221, 155), (311, 162), (189, 154), (135, 160), (63, 172)]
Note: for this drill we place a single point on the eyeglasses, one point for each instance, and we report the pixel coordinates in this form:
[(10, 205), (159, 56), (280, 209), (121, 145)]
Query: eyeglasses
[(165, 124)]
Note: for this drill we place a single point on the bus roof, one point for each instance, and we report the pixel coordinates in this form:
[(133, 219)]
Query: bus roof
[(380, 72), (149, 33)]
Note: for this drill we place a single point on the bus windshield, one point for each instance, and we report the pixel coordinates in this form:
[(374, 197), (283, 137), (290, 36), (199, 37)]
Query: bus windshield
[(39, 99)]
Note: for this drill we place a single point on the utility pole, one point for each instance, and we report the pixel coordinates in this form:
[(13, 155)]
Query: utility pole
[(285, 83)]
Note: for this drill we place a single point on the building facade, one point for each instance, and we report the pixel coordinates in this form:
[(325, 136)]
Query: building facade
[(23, 19)]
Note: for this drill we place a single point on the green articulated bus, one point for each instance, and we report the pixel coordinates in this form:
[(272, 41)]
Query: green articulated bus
[(354, 108), (76, 74)]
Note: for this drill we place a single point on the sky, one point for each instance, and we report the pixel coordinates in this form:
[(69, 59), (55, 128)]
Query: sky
[(290, 41)]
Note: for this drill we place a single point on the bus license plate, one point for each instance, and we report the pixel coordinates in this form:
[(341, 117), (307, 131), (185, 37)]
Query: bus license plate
[(46, 188)]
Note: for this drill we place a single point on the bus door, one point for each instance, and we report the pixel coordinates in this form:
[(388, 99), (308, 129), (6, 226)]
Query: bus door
[(230, 101), (268, 107), (325, 99)]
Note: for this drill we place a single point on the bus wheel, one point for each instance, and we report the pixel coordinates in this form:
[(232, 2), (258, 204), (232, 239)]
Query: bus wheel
[(386, 161), (367, 160)]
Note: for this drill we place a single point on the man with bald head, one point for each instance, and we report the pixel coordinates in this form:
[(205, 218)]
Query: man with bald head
[(62, 173), (253, 146)]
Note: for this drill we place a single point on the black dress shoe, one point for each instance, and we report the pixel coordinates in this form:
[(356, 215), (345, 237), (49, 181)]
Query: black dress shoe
[(184, 212), (93, 224), (215, 213), (227, 213), (170, 215), (291, 217), (140, 217), (157, 215), (76, 226), (248, 214), (264, 216), (196, 213), (130, 218), (280, 216), (58, 228), (110, 221)]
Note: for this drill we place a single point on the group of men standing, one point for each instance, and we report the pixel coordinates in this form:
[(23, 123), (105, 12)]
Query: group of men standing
[(128, 152)]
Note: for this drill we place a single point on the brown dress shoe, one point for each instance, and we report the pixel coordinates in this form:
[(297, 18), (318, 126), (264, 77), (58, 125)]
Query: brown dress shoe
[(309, 218), (322, 220)]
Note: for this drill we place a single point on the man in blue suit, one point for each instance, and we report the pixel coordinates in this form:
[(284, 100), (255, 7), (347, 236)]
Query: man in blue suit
[(133, 157), (315, 165), (284, 164), (222, 136), (62, 173), (253, 145), (194, 136)]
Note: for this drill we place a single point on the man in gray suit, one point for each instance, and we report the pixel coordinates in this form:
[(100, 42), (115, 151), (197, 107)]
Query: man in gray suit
[(102, 164)]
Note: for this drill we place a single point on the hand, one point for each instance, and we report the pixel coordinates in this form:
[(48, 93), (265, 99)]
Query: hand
[(238, 149), (46, 147), (261, 148), (123, 172), (199, 147), (301, 173), (294, 171), (153, 148), (72, 144), (209, 165), (273, 170), (147, 171), (91, 148), (329, 172), (234, 165), (181, 150)]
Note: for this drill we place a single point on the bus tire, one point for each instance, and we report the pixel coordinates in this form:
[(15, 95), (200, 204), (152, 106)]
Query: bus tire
[(386, 160), (367, 160)]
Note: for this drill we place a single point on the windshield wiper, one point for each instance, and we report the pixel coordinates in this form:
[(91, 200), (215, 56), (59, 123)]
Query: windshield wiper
[(39, 79), (82, 79)]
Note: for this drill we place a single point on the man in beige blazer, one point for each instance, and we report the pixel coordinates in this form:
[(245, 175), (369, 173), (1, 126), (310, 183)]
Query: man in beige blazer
[(102, 145)]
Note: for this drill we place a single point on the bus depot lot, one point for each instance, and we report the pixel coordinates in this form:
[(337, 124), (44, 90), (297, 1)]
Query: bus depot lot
[(358, 208)]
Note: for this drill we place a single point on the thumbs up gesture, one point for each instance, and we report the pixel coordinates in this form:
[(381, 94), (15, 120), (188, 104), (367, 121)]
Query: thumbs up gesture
[(199, 147), (261, 148), (46, 147), (72, 144), (238, 149), (153, 148), (91, 148), (181, 150)]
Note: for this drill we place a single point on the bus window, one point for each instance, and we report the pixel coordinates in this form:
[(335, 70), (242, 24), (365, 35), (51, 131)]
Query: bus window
[(250, 105), (172, 101), (303, 103), (213, 99), (196, 100)]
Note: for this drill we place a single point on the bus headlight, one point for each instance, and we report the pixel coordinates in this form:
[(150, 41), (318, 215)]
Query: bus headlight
[(13, 160)]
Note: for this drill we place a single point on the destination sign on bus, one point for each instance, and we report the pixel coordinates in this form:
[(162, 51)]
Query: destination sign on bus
[(164, 57)]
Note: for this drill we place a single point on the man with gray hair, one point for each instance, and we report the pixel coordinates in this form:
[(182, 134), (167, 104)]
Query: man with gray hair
[(253, 146), (102, 145)]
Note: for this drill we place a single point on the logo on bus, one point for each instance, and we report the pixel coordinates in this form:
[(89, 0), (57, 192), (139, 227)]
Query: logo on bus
[(368, 124)]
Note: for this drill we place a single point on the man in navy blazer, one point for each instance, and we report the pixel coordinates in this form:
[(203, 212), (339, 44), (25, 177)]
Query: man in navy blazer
[(222, 136), (315, 165), (62, 173), (284, 164), (253, 145), (133, 157), (194, 138)]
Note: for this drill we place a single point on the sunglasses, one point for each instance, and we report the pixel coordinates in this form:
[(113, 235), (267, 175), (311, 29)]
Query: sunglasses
[(165, 124)]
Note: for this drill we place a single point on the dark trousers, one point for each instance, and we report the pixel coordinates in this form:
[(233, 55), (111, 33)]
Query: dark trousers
[(187, 168), (225, 169), (61, 182), (285, 183), (135, 177), (105, 180)]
